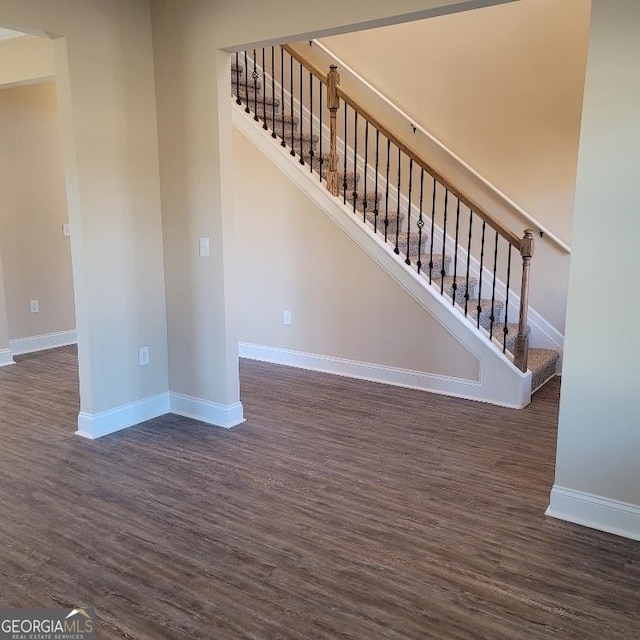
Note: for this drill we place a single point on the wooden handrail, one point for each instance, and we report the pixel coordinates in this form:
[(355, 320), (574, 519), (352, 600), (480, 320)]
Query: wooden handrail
[(309, 66), (510, 237)]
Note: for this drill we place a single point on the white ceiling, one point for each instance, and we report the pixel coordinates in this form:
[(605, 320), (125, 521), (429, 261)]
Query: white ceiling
[(5, 34)]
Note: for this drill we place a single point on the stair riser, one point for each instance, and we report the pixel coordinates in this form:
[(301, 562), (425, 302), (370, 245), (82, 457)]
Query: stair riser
[(251, 84), (269, 100)]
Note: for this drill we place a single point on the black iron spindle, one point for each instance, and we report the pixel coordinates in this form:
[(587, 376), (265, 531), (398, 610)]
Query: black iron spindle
[(420, 222), (386, 195), (282, 107), (355, 159), (311, 151), (466, 294), (408, 258), (321, 158), (433, 224), (255, 77), (344, 148), (238, 99), (443, 271), (479, 307), (291, 94), (366, 162), (301, 119), (246, 82), (273, 93), (492, 319), (396, 249), (505, 331), (375, 203), (265, 126), (455, 254)]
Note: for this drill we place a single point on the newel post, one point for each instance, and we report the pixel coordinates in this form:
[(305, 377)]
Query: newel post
[(521, 350), (333, 104)]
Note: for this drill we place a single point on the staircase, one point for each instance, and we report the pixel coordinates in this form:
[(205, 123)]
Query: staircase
[(419, 235)]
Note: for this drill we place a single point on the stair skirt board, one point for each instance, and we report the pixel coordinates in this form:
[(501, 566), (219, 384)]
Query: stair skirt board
[(596, 512), (6, 357), (503, 384), (42, 342)]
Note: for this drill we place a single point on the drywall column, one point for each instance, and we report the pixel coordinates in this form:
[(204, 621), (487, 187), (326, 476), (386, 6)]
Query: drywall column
[(597, 478), (5, 351)]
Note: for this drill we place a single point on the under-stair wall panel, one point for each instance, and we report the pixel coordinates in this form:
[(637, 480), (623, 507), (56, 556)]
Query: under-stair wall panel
[(293, 257)]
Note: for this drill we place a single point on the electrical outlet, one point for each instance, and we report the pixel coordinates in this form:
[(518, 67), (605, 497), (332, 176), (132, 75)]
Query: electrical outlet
[(204, 248), (143, 356), (35, 306), (66, 230), (287, 317)]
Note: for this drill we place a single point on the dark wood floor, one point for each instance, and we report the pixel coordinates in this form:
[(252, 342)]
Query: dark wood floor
[(340, 509)]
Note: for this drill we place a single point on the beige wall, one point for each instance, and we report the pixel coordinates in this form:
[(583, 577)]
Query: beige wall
[(26, 59), (292, 256), (4, 326), (104, 72), (33, 207), (599, 430), (500, 86)]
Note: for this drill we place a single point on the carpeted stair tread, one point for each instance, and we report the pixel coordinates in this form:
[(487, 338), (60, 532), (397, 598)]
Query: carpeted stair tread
[(279, 118), (414, 239), (542, 363), (498, 333), (363, 200), (268, 100), (247, 83)]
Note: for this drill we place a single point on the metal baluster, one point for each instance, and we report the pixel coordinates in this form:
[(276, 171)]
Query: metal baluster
[(273, 93), (479, 308), (505, 331), (455, 256), (246, 83), (255, 76), (466, 294), (408, 259), (265, 126), (396, 249), (321, 158), (284, 141), (344, 149), (238, 99), (386, 196), (311, 151), (291, 94), (492, 319), (301, 119), (355, 159), (420, 222), (375, 202), (433, 223), (443, 271), (366, 160)]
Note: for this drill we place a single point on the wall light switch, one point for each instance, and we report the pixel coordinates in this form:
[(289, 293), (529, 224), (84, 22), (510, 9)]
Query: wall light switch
[(35, 306), (203, 247), (287, 317), (66, 230)]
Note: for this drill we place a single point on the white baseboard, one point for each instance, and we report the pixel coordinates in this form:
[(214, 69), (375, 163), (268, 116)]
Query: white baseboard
[(6, 357), (443, 385), (96, 425), (596, 512), (213, 413), (42, 342)]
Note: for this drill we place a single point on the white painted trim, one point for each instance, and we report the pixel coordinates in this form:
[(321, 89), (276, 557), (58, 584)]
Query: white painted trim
[(219, 415), (501, 382), (6, 357), (596, 512), (435, 383), (100, 424), (513, 205), (42, 342)]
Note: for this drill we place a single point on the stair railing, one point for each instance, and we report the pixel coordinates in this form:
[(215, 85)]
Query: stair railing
[(417, 206)]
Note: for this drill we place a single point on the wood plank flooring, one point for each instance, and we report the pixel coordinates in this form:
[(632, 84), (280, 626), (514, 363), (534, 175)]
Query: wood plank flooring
[(340, 509)]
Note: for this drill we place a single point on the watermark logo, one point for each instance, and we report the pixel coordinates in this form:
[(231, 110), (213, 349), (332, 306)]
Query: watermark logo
[(47, 624)]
